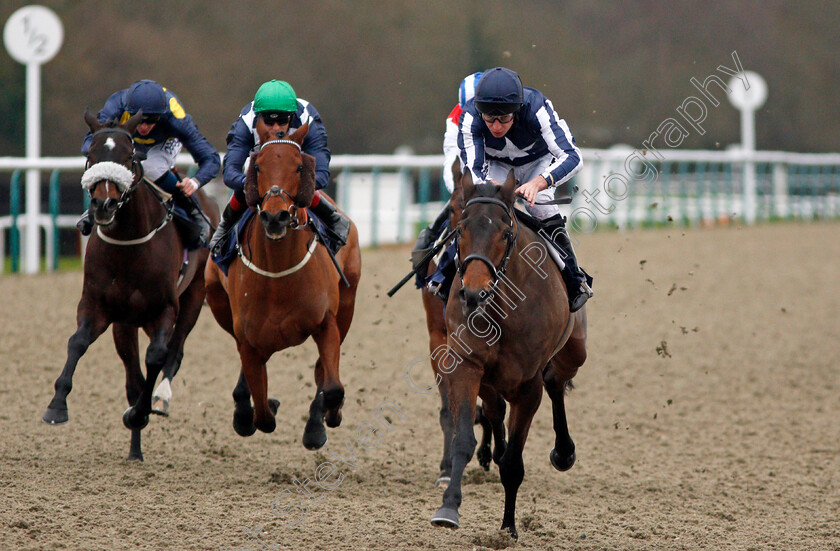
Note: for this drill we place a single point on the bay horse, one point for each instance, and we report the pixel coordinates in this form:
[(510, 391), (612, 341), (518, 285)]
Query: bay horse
[(436, 327), (136, 275), (283, 288), (518, 337)]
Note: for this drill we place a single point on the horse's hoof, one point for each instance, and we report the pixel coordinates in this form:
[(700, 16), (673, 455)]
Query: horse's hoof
[(273, 405), (511, 530), (268, 426), (333, 418), (484, 457), (55, 416), (132, 458), (246, 428), (315, 440), (446, 517), (160, 406), (130, 421), (442, 482), (560, 463)]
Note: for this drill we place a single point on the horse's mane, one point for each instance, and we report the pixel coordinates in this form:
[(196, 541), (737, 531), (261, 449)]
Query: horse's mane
[(306, 189)]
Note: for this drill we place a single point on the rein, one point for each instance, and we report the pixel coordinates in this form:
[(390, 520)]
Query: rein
[(510, 237)]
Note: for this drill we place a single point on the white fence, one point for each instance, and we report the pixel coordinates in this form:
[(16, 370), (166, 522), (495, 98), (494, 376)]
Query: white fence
[(390, 196)]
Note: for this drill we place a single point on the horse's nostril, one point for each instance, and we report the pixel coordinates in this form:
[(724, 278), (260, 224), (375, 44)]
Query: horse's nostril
[(284, 216)]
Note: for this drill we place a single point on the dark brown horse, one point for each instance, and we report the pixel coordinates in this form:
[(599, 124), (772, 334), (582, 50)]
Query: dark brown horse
[(436, 326), (284, 288), (513, 336), (134, 276)]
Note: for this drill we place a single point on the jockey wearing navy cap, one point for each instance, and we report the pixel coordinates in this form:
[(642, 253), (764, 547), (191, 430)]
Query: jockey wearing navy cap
[(507, 126), (164, 130), (282, 111)]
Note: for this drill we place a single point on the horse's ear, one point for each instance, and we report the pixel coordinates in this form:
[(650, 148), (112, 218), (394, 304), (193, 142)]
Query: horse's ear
[(508, 187), (251, 188), (456, 172), (467, 185), (300, 134), (306, 190), (133, 122), (92, 121)]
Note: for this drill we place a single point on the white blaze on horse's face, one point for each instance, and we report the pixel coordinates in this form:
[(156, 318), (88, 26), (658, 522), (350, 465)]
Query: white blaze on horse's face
[(110, 143)]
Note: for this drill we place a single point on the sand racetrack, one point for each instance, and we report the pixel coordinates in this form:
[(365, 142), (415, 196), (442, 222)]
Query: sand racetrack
[(706, 417)]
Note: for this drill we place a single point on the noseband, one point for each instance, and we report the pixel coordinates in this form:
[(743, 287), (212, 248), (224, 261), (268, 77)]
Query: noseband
[(109, 170), (510, 237), (275, 191)]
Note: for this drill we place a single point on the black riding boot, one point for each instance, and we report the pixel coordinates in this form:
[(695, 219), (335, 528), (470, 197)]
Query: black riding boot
[(201, 232), (336, 224), (85, 223), (577, 281), (219, 241), (428, 236)]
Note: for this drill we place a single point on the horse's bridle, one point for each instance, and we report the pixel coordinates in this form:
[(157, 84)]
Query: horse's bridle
[(296, 223), (509, 235), (136, 168)]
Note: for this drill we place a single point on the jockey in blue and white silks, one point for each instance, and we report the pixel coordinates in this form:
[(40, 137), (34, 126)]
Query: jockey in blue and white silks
[(277, 105), (507, 126), (538, 143)]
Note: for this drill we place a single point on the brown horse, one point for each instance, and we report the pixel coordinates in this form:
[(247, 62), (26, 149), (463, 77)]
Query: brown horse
[(436, 326), (284, 288), (518, 337), (135, 276)]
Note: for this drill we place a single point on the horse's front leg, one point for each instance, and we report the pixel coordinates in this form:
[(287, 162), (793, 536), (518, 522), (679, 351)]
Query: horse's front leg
[(463, 392), (253, 369), (329, 394), (88, 330), (136, 417), (511, 468), (125, 340)]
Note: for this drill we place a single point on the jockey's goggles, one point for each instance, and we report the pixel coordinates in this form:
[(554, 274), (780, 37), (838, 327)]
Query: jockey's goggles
[(151, 119), (490, 119), (276, 117)]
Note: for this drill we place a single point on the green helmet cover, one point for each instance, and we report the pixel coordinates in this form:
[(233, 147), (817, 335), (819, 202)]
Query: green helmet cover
[(275, 95)]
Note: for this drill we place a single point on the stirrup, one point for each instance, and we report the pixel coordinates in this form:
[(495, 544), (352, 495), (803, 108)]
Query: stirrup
[(434, 289)]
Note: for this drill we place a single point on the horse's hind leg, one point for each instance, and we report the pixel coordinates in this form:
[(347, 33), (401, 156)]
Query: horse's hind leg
[(329, 394), (189, 308), (160, 333), (125, 340), (88, 330), (493, 409), (511, 468)]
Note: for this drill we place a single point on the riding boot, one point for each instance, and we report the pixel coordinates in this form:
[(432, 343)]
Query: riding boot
[(230, 216), (427, 237), (578, 282), (194, 212), (85, 223), (336, 224)]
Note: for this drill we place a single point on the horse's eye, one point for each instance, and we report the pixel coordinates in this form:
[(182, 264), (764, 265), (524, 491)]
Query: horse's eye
[(300, 168), (508, 234)]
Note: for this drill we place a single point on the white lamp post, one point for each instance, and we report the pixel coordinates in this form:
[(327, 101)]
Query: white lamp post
[(33, 35), (748, 97)]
